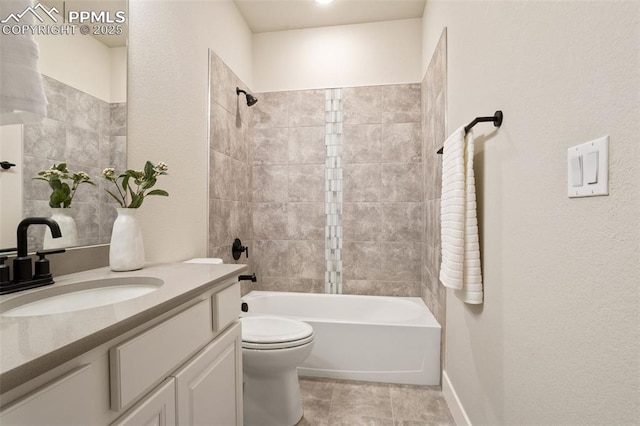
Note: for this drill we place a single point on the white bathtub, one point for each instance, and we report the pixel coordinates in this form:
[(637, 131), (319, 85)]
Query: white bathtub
[(369, 338)]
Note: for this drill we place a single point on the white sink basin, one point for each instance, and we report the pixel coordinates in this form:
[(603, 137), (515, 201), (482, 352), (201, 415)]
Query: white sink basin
[(79, 296)]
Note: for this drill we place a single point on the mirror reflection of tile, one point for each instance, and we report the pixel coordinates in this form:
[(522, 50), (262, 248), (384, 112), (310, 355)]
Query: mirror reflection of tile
[(88, 134)]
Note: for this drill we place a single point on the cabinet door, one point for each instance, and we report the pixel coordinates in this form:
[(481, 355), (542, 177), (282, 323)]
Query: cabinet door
[(209, 386), (69, 400), (156, 409)]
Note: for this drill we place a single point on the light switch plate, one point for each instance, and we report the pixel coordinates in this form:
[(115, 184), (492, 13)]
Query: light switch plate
[(601, 172)]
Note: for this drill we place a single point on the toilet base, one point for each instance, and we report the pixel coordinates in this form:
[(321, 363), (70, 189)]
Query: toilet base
[(272, 400)]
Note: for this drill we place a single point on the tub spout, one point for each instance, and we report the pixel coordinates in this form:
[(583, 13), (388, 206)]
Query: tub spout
[(251, 278)]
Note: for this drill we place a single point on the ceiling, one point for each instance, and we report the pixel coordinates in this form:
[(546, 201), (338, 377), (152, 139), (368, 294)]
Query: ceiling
[(278, 15)]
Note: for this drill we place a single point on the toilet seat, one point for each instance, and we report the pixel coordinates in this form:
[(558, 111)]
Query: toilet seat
[(262, 332)]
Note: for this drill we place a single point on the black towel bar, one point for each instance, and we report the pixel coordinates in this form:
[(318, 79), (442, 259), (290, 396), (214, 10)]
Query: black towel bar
[(496, 118)]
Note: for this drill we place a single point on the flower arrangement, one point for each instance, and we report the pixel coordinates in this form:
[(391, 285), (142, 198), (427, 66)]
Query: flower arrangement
[(135, 184), (58, 176)]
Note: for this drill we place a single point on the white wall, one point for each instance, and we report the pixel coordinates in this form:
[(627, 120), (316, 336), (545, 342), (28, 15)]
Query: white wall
[(168, 111), (557, 340), (341, 56), (84, 63), (118, 74)]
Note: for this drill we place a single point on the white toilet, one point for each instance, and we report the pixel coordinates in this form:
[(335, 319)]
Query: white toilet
[(272, 349)]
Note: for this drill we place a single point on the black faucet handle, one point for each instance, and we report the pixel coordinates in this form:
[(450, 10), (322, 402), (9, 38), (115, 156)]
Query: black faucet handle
[(41, 254), (5, 277), (237, 249), (42, 270), (8, 250)]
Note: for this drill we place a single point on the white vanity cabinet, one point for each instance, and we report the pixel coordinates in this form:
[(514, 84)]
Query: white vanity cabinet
[(184, 368), (157, 408), (209, 386)]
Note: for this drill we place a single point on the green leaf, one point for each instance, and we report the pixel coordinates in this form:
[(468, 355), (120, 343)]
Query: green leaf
[(158, 192), (55, 184), (61, 167), (56, 199), (125, 183), (136, 201), (115, 197), (148, 170), (149, 183)]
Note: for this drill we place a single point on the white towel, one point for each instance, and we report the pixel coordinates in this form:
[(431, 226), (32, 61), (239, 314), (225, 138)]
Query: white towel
[(460, 268), (22, 97)]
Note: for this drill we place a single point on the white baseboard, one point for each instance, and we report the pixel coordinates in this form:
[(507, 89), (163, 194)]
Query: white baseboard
[(455, 406)]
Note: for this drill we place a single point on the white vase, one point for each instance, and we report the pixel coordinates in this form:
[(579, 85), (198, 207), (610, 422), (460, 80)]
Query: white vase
[(67, 228), (126, 252)]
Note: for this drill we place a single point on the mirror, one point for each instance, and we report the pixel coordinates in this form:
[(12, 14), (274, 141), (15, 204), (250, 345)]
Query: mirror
[(84, 78)]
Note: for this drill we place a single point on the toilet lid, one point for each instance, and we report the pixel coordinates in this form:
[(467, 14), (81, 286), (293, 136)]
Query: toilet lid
[(274, 332)]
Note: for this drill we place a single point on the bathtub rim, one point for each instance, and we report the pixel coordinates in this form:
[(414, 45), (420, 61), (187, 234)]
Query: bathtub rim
[(428, 318)]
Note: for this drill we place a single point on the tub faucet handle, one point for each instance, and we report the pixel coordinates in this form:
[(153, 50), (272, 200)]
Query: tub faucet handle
[(237, 249)]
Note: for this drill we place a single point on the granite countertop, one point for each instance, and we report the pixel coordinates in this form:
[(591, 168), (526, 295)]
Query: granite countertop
[(30, 346)]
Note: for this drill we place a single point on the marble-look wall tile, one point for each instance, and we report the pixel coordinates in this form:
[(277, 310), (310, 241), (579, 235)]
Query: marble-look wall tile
[(222, 89), (306, 221), (362, 182), (362, 260), (55, 92), (362, 105), (270, 184), (298, 285), (306, 259), (362, 221), (272, 110), (220, 176), (220, 130), (362, 143), (83, 110), (401, 142), (401, 261), (434, 124), (306, 182), (402, 222), (272, 258), (306, 145), (382, 288), (269, 221), (402, 182), (82, 145), (401, 103), (271, 146), (47, 139), (306, 108), (118, 119)]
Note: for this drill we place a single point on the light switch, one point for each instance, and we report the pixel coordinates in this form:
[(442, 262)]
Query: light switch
[(591, 167), (576, 170), (588, 169)]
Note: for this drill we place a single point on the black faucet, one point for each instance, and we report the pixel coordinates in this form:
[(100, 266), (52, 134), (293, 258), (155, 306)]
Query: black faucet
[(23, 276)]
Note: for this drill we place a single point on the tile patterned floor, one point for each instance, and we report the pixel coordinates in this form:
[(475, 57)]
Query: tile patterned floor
[(347, 403)]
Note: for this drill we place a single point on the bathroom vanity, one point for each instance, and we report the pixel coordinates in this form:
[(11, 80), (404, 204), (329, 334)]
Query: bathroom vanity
[(169, 356)]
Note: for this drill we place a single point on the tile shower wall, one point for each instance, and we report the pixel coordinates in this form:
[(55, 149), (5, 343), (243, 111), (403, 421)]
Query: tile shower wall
[(434, 94), (289, 190), (230, 174), (88, 134), (383, 190), (381, 213)]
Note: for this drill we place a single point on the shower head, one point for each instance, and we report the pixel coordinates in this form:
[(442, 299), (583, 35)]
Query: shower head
[(251, 100)]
